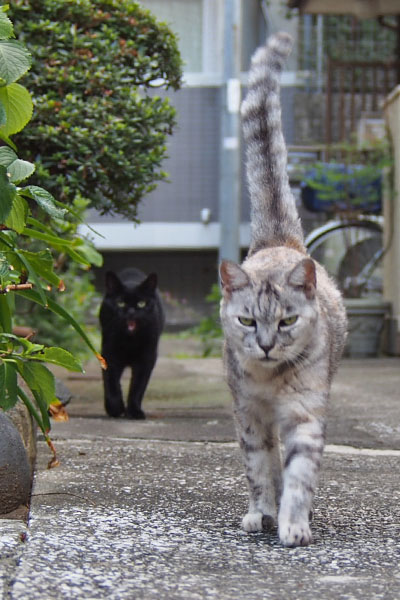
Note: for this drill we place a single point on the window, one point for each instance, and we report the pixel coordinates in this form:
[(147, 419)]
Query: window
[(185, 17), (197, 24)]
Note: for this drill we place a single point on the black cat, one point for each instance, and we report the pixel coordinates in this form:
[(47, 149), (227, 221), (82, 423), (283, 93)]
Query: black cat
[(132, 319)]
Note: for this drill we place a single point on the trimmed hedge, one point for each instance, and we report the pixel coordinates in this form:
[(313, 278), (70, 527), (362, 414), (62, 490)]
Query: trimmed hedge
[(97, 131)]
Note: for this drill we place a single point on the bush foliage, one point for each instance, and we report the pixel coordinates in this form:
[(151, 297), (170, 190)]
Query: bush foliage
[(98, 131)]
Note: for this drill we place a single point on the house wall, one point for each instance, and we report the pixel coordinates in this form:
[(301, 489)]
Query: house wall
[(193, 160)]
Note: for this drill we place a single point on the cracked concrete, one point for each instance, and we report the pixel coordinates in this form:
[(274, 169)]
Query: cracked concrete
[(143, 510)]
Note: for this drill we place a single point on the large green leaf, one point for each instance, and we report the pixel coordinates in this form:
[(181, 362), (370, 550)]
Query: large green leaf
[(17, 342), (4, 265), (81, 250), (44, 199), (4, 137), (6, 27), (15, 60), (7, 156), (39, 379), (9, 395), (91, 254), (20, 170), (60, 357), (32, 274), (5, 314), (16, 266), (67, 246), (48, 238), (3, 116), (30, 406), (8, 192), (17, 103), (42, 385), (17, 217), (42, 262), (7, 239)]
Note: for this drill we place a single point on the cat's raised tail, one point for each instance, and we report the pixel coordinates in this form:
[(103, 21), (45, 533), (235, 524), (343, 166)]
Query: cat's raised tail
[(274, 217)]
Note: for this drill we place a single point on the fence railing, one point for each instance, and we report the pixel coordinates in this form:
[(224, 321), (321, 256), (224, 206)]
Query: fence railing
[(354, 88)]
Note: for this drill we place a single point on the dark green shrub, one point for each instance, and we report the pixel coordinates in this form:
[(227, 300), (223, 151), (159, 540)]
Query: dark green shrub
[(96, 130)]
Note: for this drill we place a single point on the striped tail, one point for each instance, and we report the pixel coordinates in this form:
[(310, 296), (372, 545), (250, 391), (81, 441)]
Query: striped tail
[(274, 217)]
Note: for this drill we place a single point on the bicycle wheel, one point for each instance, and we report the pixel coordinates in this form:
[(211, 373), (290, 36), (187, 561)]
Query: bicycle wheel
[(351, 252)]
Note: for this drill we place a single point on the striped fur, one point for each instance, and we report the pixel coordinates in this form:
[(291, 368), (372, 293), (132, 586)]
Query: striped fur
[(284, 325), (266, 152)]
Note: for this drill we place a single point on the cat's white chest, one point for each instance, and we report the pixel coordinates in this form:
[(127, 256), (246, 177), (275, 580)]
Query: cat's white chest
[(261, 385)]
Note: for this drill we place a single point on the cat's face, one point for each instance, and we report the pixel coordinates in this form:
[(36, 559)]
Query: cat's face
[(269, 319), (132, 304)]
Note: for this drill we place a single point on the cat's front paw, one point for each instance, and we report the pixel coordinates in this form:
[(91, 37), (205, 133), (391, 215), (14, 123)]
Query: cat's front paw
[(295, 534), (135, 414), (257, 521), (114, 408)]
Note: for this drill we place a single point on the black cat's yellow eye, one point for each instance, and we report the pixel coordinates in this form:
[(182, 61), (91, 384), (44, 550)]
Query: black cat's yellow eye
[(121, 304), (288, 321), (247, 322), (141, 304)]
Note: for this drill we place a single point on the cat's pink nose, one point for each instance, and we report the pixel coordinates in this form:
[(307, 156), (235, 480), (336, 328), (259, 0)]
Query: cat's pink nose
[(266, 349)]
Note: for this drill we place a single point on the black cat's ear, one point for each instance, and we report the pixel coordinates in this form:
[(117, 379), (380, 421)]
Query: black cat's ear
[(150, 283), (304, 277), (113, 284), (232, 277)]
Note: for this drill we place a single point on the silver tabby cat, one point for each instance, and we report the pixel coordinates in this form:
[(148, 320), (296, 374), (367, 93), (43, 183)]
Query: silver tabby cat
[(284, 324)]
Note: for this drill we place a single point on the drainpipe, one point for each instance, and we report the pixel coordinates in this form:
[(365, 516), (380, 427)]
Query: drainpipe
[(230, 173)]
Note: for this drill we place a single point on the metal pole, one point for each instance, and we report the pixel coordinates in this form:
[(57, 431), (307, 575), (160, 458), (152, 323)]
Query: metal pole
[(320, 52), (229, 185)]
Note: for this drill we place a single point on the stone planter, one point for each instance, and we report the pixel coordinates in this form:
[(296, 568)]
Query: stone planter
[(366, 320), (15, 472)]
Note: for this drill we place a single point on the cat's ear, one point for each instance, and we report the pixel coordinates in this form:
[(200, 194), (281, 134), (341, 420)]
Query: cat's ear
[(303, 276), (232, 277), (149, 284), (113, 284)]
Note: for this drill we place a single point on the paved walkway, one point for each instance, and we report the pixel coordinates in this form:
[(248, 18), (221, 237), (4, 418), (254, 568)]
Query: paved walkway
[(143, 510)]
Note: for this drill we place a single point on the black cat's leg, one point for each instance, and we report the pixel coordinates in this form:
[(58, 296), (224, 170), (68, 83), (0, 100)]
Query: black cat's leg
[(141, 373), (113, 401)]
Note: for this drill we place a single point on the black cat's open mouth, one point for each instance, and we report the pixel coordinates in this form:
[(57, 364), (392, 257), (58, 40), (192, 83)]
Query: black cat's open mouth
[(131, 325)]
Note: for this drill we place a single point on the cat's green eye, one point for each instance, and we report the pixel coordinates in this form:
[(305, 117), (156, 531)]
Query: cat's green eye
[(247, 322), (141, 304), (121, 304), (288, 321)]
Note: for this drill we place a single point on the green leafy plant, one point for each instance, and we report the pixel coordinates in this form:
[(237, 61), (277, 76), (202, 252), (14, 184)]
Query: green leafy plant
[(99, 130), (209, 329), (23, 270), (81, 300), (15, 101)]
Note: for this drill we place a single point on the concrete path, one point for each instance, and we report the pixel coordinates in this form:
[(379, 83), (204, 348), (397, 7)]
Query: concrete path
[(143, 510)]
